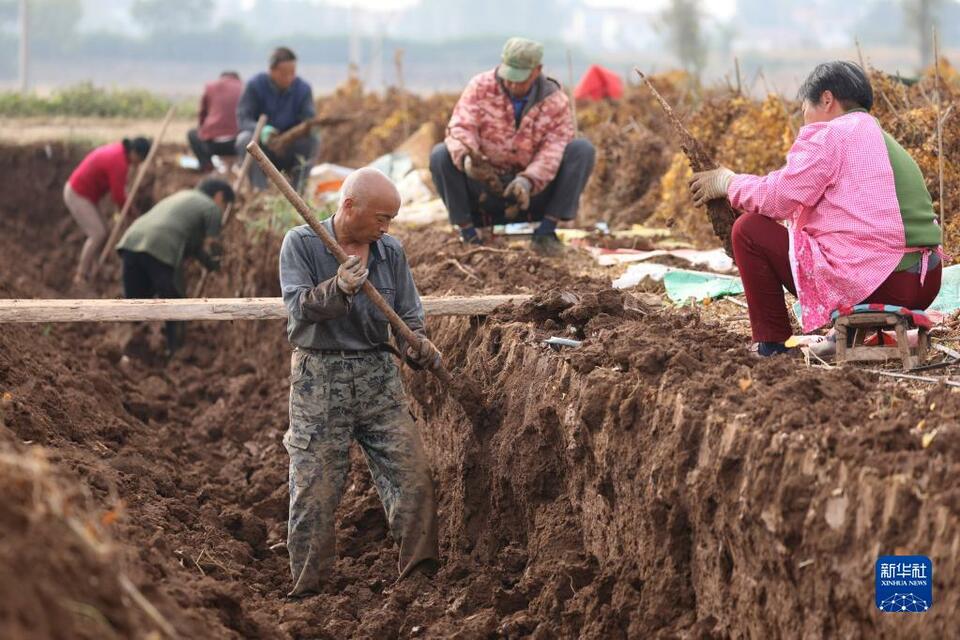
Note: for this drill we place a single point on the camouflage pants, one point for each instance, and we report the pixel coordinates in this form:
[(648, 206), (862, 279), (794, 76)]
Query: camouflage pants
[(335, 398)]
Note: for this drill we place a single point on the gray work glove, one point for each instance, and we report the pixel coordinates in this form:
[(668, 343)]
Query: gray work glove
[(519, 189), (710, 185), (427, 356), (351, 275)]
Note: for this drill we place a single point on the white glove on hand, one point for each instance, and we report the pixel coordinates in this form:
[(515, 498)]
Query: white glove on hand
[(427, 356), (519, 188), (351, 275), (710, 185), (468, 166)]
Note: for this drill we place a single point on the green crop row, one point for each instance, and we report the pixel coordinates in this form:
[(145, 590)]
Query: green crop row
[(88, 100)]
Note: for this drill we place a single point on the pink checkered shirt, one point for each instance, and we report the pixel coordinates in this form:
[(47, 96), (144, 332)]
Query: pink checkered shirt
[(837, 193)]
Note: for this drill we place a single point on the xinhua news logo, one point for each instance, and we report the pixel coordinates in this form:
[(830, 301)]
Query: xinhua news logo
[(904, 584)]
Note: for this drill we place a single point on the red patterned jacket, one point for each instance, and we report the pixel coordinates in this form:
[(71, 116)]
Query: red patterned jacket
[(483, 121)]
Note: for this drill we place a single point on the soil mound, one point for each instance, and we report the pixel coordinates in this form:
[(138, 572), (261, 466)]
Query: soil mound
[(661, 481), (61, 576)]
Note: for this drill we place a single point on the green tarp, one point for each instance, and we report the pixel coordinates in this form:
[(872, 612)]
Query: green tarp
[(681, 285)]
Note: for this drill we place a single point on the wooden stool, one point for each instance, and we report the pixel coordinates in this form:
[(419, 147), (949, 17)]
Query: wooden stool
[(880, 318)]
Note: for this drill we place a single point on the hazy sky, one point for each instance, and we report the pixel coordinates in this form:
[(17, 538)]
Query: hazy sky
[(379, 5), (719, 8)]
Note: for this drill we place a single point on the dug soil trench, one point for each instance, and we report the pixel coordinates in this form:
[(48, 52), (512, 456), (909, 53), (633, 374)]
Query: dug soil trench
[(656, 482)]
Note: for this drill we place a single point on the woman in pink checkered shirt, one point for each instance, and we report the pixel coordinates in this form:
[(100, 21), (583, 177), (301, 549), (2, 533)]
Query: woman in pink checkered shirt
[(860, 221)]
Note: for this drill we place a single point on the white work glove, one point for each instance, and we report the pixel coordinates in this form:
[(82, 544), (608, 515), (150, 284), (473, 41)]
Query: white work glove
[(710, 185), (468, 168), (351, 275), (519, 188), (427, 356)]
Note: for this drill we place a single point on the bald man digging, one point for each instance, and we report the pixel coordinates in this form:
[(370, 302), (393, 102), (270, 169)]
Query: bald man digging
[(345, 383)]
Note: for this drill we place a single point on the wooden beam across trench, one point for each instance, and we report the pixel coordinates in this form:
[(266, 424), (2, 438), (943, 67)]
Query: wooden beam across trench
[(43, 311)]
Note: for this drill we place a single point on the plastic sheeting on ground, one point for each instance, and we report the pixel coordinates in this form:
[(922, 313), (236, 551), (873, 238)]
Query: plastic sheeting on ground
[(715, 259), (681, 284), (948, 299)]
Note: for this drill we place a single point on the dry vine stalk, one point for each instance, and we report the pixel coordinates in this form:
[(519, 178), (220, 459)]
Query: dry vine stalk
[(719, 211)]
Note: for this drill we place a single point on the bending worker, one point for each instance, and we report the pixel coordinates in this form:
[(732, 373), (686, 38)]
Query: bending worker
[(104, 170), (344, 383), (287, 101), (180, 226), (510, 154), (862, 226)]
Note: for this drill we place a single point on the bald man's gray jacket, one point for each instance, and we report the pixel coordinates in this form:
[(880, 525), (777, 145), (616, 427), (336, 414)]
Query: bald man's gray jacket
[(321, 316)]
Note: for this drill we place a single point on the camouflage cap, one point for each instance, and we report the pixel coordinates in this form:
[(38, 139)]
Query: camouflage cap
[(519, 58)]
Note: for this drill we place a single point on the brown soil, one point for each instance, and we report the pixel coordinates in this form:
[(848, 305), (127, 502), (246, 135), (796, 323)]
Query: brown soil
[(656, 482), (379, 123)]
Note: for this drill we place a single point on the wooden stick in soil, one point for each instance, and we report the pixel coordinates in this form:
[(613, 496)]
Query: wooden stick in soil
[(719, 211), (943, 195), (401, 86), (736, 66), (399, 327), (120, 224), (573, 100), (141, 601), (228, 212), (863, 65)]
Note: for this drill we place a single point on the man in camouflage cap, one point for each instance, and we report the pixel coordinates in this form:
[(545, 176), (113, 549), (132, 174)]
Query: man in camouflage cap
[(345, 384), (510, 153)]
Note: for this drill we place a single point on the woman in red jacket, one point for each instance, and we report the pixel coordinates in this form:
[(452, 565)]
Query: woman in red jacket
[(103, 170)]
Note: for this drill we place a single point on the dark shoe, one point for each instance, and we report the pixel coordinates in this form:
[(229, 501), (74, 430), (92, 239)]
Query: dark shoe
[(469, 235), (767, 349), (546, 244)]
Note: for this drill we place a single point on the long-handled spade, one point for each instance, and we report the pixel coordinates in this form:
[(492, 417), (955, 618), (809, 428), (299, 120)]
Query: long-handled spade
[(468, 395)]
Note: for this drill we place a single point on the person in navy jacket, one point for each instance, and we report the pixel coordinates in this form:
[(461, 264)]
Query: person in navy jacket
[(287, 100)]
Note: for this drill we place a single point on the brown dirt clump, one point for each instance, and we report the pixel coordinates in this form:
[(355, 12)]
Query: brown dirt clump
[(634, 145), (622, 190), (379, 123), (442, 265), (65, 579)]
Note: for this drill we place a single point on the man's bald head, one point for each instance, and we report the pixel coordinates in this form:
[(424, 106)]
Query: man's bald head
[(366, 184), (368, 202)]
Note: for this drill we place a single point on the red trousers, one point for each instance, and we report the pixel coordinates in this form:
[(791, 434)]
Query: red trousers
[(761, 247)]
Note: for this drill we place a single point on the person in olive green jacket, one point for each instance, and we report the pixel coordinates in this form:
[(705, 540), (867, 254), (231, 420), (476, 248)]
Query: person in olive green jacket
[(180, 226)]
